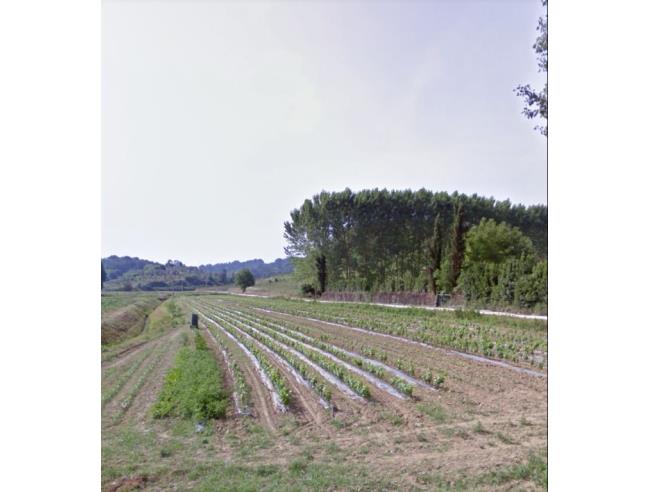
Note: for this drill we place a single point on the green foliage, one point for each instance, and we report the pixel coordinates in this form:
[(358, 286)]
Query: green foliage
[(501, 268), (244, 279), (193, 388), (376, 240), (320, 265), (536, 101), (491, 242)]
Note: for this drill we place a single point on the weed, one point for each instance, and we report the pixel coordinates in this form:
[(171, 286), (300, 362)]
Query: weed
[(435, 412)]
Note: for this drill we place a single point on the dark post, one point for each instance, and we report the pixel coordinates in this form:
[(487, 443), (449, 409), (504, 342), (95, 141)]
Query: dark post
[(194, 320)]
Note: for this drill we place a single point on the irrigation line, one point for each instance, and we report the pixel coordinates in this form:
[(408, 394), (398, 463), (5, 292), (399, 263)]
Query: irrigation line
[(235, 396), (324, 373), (289, 368), (390, 369), (264, 377), (474, 357)]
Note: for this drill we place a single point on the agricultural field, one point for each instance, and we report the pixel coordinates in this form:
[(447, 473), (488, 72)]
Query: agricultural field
[(277, 394)]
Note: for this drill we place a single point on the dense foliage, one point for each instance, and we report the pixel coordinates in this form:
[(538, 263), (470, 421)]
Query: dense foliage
[(388, 241), (194, 387)]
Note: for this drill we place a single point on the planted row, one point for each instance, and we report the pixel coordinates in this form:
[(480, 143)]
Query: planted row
[(324, 362), (304, 370), (278, 381), (241, 388), (270, 328), (426, 374), (493, 336), (124, 378)]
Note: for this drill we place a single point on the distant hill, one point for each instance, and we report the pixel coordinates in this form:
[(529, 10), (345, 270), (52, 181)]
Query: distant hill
[(258, 267), (132, 273)]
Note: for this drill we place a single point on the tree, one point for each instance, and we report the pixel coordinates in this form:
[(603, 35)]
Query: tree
[(490, 242), (433, 252), (457, 246), (103, 275), (536, 102), (320, 264), (244, 279)]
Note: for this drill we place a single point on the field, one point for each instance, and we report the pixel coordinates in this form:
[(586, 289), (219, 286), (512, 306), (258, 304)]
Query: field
[(278, 394)]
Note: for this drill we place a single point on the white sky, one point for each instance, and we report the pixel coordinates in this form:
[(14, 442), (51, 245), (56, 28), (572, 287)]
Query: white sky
[(220, 117)]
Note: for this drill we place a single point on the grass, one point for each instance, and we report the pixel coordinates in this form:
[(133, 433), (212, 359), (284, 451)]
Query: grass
[(435, 412), (193, 388), (301, 474)]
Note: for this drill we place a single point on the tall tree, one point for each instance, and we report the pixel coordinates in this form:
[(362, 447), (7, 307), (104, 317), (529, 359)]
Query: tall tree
[(457, 246), (536, 102), (320, 264), (433, 252), (103, 275)]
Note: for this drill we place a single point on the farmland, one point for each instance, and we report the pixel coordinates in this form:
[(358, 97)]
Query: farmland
[(280, 394)]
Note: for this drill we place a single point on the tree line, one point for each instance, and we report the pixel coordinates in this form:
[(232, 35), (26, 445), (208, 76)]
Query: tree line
[(421, 241)]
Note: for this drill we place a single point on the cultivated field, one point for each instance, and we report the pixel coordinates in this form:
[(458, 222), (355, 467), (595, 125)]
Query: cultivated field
[(278, 394)]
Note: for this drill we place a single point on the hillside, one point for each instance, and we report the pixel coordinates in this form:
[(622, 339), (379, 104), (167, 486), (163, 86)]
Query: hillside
[(132, 273)]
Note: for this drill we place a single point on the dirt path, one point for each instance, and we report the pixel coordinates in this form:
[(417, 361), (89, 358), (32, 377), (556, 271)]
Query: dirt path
[(486, 312)]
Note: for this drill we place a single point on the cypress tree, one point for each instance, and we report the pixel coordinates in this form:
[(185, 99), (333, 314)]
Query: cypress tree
[(433, 248), (457, 246), (320, 263)]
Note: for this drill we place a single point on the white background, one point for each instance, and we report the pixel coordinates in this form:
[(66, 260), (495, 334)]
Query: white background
[(50, 205)]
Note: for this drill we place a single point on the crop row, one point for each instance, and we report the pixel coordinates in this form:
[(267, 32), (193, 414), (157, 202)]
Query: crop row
[(269, 327), (278, 381), (304, 370), (510, 339), (128, 400), (357, 385), (435, 379), (241, 388), (124, 377)]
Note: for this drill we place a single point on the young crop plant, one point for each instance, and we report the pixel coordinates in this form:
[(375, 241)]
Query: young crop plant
[(303, 369), (464, 331), (278, 381), (324, 362), (288, 336), (124, 378), (402, 386)]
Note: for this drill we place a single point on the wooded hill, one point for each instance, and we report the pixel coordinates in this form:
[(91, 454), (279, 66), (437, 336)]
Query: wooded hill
[(132, 273)]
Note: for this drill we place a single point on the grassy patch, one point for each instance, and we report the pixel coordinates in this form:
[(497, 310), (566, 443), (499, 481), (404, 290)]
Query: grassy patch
[(301, 474), (435, 412), (193, 388)]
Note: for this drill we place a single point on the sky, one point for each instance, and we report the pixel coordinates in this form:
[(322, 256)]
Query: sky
[(219, 118)]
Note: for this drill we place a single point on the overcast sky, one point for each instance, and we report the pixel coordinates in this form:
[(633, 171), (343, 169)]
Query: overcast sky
[(220, 117)]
